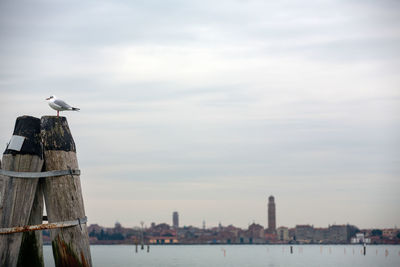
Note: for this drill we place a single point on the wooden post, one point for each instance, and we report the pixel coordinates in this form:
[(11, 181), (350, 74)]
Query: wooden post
[(63, 194), (31, 252), (18, 193)]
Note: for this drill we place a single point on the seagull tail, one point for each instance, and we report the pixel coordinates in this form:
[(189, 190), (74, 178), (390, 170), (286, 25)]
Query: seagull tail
[(76, 109)]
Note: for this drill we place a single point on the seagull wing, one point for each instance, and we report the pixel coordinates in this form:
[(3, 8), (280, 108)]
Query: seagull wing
[(62, 104)]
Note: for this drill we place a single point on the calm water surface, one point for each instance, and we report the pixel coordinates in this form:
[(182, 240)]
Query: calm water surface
[(241, 256)]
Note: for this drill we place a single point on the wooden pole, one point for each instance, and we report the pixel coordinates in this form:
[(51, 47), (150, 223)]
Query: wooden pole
[(18, 193), (31, 252), (63, 194)]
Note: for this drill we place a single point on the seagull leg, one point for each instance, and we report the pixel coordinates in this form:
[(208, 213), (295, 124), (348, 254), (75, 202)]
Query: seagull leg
[(58, 113)]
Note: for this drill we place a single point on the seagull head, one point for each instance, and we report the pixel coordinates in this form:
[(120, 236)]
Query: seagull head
[(51, 97)]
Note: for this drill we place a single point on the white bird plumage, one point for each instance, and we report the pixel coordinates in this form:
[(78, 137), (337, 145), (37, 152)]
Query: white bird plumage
[(59, 105)]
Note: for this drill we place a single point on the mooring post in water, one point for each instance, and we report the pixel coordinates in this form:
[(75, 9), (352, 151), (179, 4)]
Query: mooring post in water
[(365, 249), (148, 248), (291, 249), (63, 194), (17, 195), (31, 252)]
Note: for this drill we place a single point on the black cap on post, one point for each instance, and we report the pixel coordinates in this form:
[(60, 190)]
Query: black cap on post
[(28, 127), (56, 134)]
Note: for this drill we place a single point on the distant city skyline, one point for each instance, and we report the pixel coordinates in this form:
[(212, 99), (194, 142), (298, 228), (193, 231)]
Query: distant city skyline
[(271, 226), (207, 108), (255, 234)]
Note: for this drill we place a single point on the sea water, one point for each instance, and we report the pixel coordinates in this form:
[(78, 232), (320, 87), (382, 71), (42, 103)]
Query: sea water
[(241, 256)]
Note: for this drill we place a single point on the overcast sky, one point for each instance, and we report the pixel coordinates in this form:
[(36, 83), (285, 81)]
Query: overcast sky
[(208, 107)]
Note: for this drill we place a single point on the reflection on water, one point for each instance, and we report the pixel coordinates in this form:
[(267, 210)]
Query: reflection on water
[(242, 255)]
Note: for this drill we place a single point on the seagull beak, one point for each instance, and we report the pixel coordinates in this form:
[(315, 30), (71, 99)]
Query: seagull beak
[(48, 98)]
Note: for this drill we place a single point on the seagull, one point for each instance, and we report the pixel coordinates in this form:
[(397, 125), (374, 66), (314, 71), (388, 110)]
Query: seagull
[(59, 105)]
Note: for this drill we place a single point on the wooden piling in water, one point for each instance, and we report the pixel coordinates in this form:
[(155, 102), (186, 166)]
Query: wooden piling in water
[(23, 154), (63, 194), (31, 251)]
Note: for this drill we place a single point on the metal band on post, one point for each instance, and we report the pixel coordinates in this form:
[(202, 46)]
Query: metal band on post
[(38, 227), (39, 174)]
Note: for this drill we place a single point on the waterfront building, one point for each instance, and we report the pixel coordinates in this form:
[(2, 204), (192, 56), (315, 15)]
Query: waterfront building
[(321, 235), (304, 233), (255, 231), (163, 240), (283, 233), (271, 215), (390, 233), (338, 233), (175, 220), (360, 239)]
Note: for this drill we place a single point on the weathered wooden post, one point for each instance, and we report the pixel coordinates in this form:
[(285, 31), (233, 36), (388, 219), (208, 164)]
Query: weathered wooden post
[(63, 194), (31, 251), (23, 154)]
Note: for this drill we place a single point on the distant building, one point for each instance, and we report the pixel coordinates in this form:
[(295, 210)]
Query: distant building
[(390, 233), (338, 233), (255, 231), (360, 238), (117, 227), (271, 215), (175, 220), (321, 235), (253, 235), (283, 233), (292, 233), (163, 240), (304, 233)]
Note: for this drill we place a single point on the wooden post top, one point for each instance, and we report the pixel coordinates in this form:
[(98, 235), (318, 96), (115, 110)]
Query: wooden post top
[(56, 134), (28, 127)]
